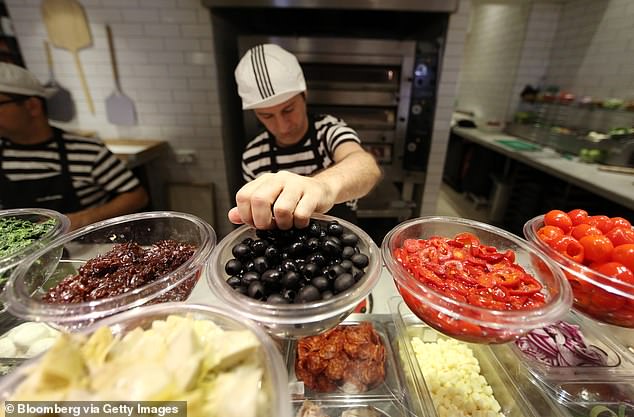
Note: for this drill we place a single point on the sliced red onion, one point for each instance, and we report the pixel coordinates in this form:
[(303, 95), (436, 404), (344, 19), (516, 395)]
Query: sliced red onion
[(561, 344)]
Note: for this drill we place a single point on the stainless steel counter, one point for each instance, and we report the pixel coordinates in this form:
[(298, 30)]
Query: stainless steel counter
[(613, 186)]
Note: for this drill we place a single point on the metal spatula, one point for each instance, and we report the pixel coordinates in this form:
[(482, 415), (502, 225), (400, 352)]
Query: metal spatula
[(61, 106), (119, 107)]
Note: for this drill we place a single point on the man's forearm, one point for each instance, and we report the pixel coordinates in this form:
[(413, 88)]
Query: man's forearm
[(352, 177), (122, 204)]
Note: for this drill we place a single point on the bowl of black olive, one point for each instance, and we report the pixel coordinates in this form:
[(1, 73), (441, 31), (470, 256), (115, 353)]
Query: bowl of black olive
[(296, 282)]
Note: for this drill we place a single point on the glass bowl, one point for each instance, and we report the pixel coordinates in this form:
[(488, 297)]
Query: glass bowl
[(293, 320), (274, 382), (65, 255), (462, 320), (36, 216), (599, 296)]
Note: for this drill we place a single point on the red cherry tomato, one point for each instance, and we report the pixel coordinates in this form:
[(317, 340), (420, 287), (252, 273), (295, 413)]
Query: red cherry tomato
[(549, 233), (569, 247), (616, 270), (621, 222), (601, 222), (558, 218), (597, 248), (621, 235), (578, 216), (624, 254), (584, 229)]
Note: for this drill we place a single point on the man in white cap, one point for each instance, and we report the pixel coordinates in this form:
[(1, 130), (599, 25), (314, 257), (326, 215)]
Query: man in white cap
[(43, 166), (302, 163)]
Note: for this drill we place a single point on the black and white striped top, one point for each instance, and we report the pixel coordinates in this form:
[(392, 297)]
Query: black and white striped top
[(329, 132), (97, 174)]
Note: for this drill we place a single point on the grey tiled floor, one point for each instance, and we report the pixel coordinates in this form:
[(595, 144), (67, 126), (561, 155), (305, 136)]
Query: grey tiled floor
[(454, 204)]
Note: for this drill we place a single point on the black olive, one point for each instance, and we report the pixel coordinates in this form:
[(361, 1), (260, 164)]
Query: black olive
[(334, 229), (247, 241), (300, 263), (260, 264), (256, 290), (241, 290), (297, 249), (272, 254), (311, 270), (271, 277), (317, 259), (348, 252), (264, 234), (290, 280), (289, 294), (276, 299), (360, 260), (234, 281), (307, 294), (249, 266), (284, 256), (314, 229), (259, 246), (289, 265), (249, 277), (343, 282), (312, 244), (327, 295), (346, 265), (330, 247), (320, 282), (349, 239), (334, 261), (336, 270), (357, 273), (233, 267), (242, 251)]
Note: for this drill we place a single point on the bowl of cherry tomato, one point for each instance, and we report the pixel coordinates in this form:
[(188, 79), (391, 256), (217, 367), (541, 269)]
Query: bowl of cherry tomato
[(473, 281), (596, 254)]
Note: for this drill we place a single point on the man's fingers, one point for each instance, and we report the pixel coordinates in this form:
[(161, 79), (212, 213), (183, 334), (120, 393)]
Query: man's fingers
[(234, 216), (285, 205)]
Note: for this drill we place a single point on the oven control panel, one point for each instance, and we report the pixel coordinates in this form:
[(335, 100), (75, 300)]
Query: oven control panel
[(421, 110)]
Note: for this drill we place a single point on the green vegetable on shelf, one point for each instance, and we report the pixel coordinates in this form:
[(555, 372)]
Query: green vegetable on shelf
[(590, 155)]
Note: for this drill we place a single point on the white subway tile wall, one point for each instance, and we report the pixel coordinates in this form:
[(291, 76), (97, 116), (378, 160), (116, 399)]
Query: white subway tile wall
[(165, 54), (593, 49), (540, 34), (492, 54)]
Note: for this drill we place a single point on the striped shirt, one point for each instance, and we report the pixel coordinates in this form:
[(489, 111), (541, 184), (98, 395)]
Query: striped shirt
[(262, 155), (97, 175)]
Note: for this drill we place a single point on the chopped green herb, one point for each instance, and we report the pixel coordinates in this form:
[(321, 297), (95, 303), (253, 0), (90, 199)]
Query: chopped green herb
[(16, 234)]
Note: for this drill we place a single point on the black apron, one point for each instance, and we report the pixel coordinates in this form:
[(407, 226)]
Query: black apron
[(341, 210), (54, 193)]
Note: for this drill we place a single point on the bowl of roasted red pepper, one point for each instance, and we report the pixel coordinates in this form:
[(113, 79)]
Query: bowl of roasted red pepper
[(109, 267), (473, 281), (596, 254)]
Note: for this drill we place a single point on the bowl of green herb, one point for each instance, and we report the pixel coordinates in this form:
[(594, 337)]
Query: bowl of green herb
[(25, 231)]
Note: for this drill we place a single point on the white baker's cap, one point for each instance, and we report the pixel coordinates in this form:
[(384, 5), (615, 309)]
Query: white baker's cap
[(17, 80), (268, 75)]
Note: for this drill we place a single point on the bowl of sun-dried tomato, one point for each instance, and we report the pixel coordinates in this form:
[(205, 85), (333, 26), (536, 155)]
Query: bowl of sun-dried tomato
[(473, 281), (110, 267)]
